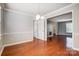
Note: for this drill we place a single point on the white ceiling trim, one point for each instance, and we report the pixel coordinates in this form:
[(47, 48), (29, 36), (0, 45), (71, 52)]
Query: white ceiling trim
[(60, 11), (63, 20), (18, 12)]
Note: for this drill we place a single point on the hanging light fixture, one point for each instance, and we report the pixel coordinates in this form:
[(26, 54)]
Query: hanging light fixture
[(38, 16), (42, 17)]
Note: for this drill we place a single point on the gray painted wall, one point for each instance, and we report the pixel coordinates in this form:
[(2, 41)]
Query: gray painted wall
[(49, 27), (17, 27)]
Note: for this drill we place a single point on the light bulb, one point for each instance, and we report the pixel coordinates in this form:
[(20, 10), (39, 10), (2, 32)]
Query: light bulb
[(37, 17), (42, 17)]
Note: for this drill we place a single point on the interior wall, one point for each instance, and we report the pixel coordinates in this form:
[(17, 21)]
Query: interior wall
[(61, 20), (58, 23), (9, 17), (0, 31), (75, 17), (74, 8), (58, 12), (49, 27), (17, 27), (1, 18)]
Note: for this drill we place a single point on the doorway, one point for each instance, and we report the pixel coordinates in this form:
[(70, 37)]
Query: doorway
[(60, 27)]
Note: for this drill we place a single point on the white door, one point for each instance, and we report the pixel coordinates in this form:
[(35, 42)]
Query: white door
[(41, 30), (35, 29)]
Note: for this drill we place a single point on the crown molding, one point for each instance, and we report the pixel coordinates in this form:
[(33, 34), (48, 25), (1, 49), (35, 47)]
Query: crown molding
[(60, 11), (63, 20), (18, 12)]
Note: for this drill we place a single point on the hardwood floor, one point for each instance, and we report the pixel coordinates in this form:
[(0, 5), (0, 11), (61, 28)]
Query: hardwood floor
[(55, 46)]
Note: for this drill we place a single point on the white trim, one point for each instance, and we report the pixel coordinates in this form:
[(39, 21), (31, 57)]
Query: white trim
[(72, 31), (59, 11), (64, 34), (76, 33), (15, 33), (63, 20), (1, 50), (18, 12), (16, 43), (11, 44), (75, 49)]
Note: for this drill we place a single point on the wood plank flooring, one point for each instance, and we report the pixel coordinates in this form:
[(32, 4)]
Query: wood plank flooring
[(55, 46)]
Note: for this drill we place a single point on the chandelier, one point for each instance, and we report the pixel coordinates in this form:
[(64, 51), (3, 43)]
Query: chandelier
[(38, 16)]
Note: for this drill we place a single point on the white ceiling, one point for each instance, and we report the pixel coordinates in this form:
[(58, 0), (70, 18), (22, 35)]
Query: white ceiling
[(33, 8)]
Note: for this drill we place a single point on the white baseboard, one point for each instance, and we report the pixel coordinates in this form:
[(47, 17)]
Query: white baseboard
[(1, 50), (11, 45), (16, 43), (75, 49)]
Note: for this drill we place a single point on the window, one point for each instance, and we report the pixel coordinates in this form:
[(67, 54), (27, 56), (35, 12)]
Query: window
[(69, 27)]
